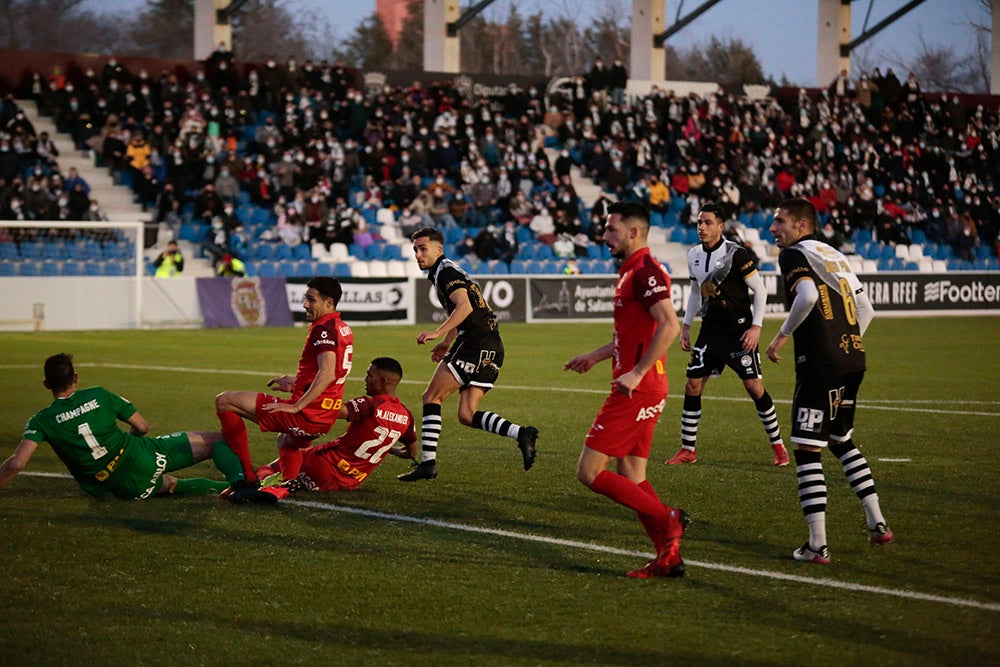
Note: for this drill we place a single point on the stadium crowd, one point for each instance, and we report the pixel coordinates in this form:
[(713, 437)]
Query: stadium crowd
[(307, 145)]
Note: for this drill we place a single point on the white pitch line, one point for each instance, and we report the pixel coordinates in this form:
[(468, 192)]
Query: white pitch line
[(866, 405), (895, 460), (589, 546)]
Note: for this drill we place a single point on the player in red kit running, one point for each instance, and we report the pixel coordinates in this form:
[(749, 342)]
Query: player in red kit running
[(645, 326), (317, 389), (377, 422)]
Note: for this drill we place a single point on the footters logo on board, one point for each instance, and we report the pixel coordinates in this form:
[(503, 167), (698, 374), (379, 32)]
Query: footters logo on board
[(946, 291)]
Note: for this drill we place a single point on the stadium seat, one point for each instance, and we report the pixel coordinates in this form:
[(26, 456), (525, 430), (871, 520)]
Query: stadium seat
[(359, 270), (338, 253), (983, 251), (385, 216), (33, 250), (392, 252), (27, 268), (376, 251), (911, 266), (267, 269), (377, 269), (396, 268), (532, 266), (467, 265), (8, 268), (71, 267), (671, 219), (499, 268), (523, 234), (262, 251), (113, 267), (56, 250), (768, 266), (517, 266), (283, 252), (48, 268), (342, 270), (286, 268), (918, 236), (302, 252), (545, 252), (594, 251), (656, 219)]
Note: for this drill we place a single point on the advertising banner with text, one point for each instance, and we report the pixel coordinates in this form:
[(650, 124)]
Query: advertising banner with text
[(364, 299), (506, 296)]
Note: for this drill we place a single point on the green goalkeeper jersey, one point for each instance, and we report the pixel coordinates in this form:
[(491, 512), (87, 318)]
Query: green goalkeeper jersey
[(83, 430)]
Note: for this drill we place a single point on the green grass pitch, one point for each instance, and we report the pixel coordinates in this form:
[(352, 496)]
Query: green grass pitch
[(492, 565)]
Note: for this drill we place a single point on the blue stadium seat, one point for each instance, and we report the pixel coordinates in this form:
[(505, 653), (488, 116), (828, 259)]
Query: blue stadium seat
[(342, 270), (545, 252), (55, 250), (302, 252), (113, 250), (656, 219), (267, 269), (8, 268), (71, 267), (113, 267), (375, 251), (27, 268), (983, 251), (671, 219), (286, 268), (517, 266), (467, 265), (259, 251), (594, 251), (283, 252), (392, 252), (911, 266), (528, 251), (304, 269), (49, 267), (33, 250), (918, 236), (499, 268), (8, 251), (354, 250), (551, 266), (768, 266), (524, 234), (454, 235), (92, 268), (887, 251), (532, 266)]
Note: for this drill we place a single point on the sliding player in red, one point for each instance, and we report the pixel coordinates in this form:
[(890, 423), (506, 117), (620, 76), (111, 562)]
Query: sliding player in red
[(378, 421), (317, 388)]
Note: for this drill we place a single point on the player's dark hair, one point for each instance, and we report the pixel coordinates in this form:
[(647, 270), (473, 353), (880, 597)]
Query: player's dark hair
[(799, 208), (430, 233), (328, 287), (59, 372), (389, 365), (716, 209), (630, 211)]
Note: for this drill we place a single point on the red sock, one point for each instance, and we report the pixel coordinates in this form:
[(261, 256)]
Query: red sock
[(235, 433), (625, 492), (653, 527), (289, 462)]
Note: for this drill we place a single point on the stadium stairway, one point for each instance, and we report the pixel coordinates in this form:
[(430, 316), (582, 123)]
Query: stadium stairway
[(117, 201), (673, 254)]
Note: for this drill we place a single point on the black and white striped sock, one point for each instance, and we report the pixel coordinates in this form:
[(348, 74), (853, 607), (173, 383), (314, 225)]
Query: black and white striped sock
[(690, 417), (768, 417), (812, 494), (491, 422), (859, 475), (430, 431)]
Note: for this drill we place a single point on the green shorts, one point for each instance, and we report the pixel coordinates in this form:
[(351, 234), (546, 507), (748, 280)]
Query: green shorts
[(143, 462)]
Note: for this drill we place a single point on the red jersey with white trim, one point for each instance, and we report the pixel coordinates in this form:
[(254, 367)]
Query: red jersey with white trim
[(376, 423), (642, 282), (327, 334)]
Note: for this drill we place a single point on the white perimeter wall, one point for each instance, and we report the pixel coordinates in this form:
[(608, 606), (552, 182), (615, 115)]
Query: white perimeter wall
[(81, 303)]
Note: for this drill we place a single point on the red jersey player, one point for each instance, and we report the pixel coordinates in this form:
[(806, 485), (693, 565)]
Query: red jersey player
[(317, 389), (645, 326), (377, 422)]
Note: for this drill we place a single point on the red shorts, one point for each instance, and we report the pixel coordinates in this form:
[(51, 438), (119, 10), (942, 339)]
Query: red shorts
[(321, 472), (301, 431), (624, 426)]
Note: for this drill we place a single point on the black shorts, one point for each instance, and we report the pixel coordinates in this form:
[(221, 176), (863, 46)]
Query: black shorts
[(710, 357), (476, 363), (823, 409)]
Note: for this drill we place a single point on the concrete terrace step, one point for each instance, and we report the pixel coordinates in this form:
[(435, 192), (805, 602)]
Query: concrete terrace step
[(116, 200)]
